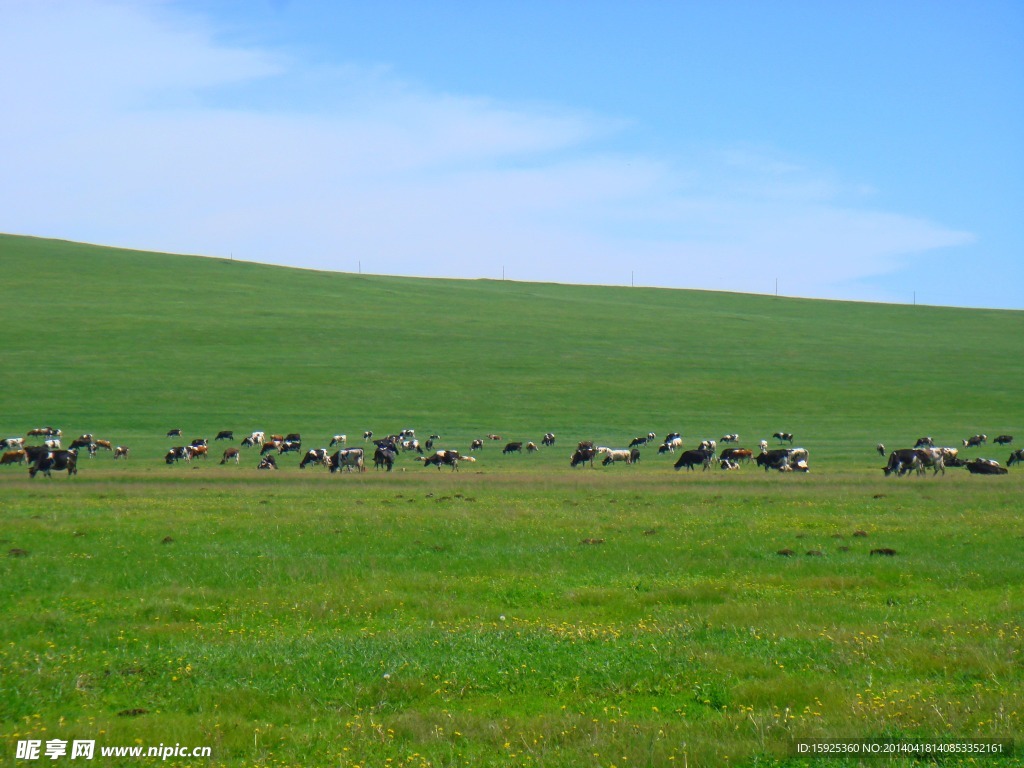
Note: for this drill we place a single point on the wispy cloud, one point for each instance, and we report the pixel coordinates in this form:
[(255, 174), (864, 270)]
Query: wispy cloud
[(124, 135)]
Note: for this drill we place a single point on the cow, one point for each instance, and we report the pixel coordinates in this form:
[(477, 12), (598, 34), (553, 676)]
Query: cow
[(105, 445), (905, 460), (532, 448), (198, 441), (225, 434), (1003, 440), (12, 444), (672, 442), (368, 434), (733, 438), (881, 449), (782, 459), (384, 458), (582, 456), (58, 460), (174, 433), (338, 440), (267, 462), (45, 432), (924, 442), (276, 438), (255, 438), (53, 444), (1017, 457), (14, 457), (975, 441), (783, 437), (440, 458), (585, 444), (612, 456), (709, 445), (34, 452), (411, 445), (315, 456), (548, 439), (512, 448), (637, 441), (736, 455), (348, 459), (985, 467), (293, 437), (476, 445), (270, 446), (201, 451), (229, 454), (176, 453), (692, 458), (290, 446), (494, 437), (763, 445)]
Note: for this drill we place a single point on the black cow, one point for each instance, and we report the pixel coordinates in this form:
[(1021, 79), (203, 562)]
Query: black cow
[(1003, 440), (513, 448), (692, 458), (984, 467), (582, 456), (225, 434), (638, 441), (384, 459), (58, 460)]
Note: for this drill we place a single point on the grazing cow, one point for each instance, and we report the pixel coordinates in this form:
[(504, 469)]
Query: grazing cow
[(1017, 457), (293, 437), (709, 445), (636, 441), (58, 460), (728, 464), (904, 461), (384, 458), (612, 456), (476, 445), (672, 442), (174, 433), (368, 434), (14, 457), (225, 434), (692, 458), (1003, 440), (315, 456), (270, 446), (176, 453), (34, 452), (439, 458), (348, 459), (736, 455), (201, 451), (290, 446), (549, 439), (532, 448), (783, 437), (257, 438), (54, 444), (12, 444), (582, 456), (924, 442), (881, 449), (45, 432), (512, 448), (229, 454), (975, 441), (105, 445), (494, 437), (985, 467), (267, 462), (411, 445), (338, 440), (733, 438), (585, 444)]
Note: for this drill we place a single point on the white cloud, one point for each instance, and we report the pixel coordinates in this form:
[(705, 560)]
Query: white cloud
[(116, 143)]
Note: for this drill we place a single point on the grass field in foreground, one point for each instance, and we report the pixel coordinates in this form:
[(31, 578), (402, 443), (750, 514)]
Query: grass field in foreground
[(445, 619)]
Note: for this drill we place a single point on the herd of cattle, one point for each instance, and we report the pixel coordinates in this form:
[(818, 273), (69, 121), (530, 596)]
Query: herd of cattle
[(49, 455)]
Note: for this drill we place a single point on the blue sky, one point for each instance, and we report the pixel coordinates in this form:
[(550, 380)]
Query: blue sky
[(871, 151)]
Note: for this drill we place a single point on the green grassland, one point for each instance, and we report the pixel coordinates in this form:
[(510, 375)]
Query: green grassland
[(517, 612)]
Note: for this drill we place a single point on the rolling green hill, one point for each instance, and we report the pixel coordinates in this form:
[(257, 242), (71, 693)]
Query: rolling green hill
[(129, 344)]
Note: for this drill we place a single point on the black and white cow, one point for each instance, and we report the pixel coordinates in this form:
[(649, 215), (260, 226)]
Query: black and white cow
[(177, 453), (314, 456), (783, 437), (59, 460), (733, 438), (349, 459), (441, 458), (975, 441), (549, 439), (384, 458), (267, 462), (924, 442), (583, 456)]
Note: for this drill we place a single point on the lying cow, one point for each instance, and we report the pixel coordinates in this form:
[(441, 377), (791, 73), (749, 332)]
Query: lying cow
[(985, 467), (267, 462), (14, 457)]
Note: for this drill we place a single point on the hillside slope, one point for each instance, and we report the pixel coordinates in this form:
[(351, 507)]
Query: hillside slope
[(132, 343)]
